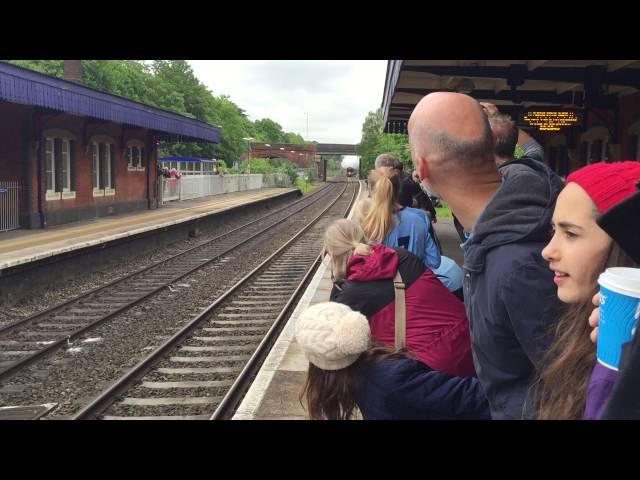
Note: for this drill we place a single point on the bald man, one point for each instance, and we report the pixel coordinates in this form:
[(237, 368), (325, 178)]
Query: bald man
[(509, 292)]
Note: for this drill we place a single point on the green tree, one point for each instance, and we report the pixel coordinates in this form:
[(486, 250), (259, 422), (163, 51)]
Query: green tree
[(179, 74), (235, 126), (48, 67), (258, 165), (371, 132), (289, 168), (126, 78), (266, 130), (295, 138), (396, 144), (374, 142)]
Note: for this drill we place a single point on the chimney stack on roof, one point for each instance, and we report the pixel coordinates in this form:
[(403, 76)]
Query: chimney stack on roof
[(73, 71)]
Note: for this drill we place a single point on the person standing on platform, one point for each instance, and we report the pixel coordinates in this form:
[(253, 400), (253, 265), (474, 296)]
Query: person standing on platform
[(508, 288), (348, 372)]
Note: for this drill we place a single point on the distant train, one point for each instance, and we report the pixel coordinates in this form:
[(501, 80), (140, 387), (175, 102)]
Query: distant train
[(350, 172)]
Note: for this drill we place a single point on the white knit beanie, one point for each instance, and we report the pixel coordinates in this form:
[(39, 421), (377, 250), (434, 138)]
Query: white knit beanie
[(332, 336)]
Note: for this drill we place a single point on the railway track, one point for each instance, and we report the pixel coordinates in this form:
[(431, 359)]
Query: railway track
[(206, 366), (27, 340)]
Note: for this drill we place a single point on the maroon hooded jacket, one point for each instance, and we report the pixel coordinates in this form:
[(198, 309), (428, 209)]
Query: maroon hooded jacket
[(437, 326)]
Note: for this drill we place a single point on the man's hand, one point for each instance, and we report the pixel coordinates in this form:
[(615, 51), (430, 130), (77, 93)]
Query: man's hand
[(594, 318), (490, 109)]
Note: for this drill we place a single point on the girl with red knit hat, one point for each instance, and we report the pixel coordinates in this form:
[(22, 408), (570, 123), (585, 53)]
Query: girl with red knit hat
[(573, 385)]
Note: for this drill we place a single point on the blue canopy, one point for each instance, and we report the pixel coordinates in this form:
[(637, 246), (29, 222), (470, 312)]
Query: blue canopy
[(27, 87), (187, 159)]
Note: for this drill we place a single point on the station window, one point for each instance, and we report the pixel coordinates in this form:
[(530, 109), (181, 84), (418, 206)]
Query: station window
[(595, 142), (634, 147), (561, 161), (135, 156), (584, 150), (596, 151), (50, 166), (103, 169), (59, 168)]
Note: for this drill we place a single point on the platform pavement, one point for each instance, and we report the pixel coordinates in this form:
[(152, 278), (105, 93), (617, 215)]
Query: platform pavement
[(275, 392), (24, 246)]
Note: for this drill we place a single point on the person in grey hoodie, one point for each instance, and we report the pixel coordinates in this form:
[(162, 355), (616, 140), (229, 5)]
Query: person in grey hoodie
[(507, 136), (508, 289)]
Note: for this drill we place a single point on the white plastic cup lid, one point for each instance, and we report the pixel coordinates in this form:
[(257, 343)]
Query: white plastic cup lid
[(623, 280)]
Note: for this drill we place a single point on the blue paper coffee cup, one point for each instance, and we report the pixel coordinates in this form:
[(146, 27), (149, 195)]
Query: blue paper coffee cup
[(619, 312)]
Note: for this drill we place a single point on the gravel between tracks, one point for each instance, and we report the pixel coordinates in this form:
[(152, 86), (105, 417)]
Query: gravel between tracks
[(105, 274), (73, 376)]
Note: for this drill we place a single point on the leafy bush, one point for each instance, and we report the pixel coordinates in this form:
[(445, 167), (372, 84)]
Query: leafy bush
[(289, 169), (303, 185), (222, 166), (258, 165)]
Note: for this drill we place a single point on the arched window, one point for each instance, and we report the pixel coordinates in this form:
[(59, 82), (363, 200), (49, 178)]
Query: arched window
[(103, 165), (135, 155), (594, 144), (558, 155), (634, 141), (59, 164)]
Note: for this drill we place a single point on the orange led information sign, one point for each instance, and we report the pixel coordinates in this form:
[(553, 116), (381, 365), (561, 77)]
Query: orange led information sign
[(550, 121)]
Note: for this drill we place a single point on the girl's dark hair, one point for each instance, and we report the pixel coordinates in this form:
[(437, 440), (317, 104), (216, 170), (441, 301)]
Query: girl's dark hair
[(563, 384), (331, 394)]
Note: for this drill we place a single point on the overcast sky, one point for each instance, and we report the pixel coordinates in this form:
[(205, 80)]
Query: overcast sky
[(337, 94)]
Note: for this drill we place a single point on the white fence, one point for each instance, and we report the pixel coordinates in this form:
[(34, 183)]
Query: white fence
[(170, 189), (194, 186), (276, 180), (9, 195)]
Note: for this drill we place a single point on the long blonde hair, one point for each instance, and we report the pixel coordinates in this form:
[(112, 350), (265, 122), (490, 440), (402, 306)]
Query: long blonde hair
[(342, 239), (378, 222), (361, 210)]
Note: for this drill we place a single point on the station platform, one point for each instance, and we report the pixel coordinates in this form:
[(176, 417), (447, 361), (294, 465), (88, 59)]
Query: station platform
[(275, 392), (20, 247)]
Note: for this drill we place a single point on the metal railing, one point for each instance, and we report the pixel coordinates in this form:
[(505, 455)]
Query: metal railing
[(196, 186), (170, 189), (276, 180), (9, 205)]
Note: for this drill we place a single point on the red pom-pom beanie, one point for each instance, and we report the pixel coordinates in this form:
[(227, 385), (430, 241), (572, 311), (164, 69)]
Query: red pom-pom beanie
[(607, 183)]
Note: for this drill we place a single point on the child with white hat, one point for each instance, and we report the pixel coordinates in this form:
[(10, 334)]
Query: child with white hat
[(347, 371)]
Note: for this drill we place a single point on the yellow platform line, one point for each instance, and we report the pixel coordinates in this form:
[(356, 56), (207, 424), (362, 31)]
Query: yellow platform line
[(115, 226)]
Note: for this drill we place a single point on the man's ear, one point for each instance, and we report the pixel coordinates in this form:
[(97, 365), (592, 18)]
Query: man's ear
[(422, 167)]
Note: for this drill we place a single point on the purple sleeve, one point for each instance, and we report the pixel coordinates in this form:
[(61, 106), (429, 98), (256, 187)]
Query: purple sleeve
[(601, 385)]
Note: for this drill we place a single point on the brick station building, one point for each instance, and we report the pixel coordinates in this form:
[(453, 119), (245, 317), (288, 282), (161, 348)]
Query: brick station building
[(76, 153)]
